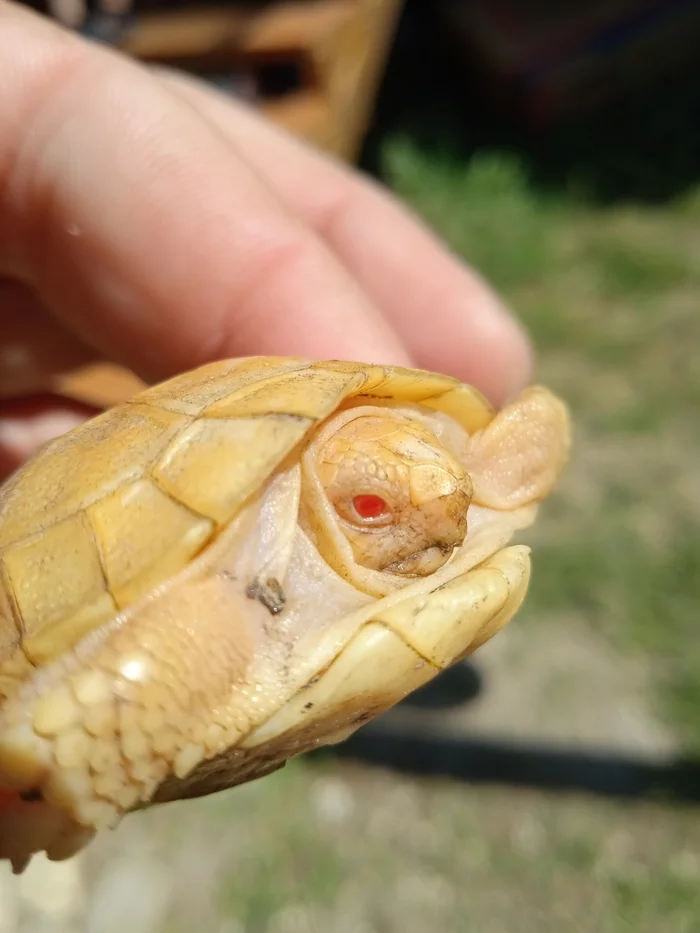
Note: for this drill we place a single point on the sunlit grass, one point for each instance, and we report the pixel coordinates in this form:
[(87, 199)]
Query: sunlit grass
[(311, 850), (611, 298)]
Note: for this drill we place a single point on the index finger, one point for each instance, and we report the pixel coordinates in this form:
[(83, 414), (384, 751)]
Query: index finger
[(448, 317), (132, 220)]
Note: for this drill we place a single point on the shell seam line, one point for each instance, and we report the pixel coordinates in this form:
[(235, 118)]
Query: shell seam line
[(161, 409), (176, 501), (13, 603), (293, 416), (97, 544), (404, 640)]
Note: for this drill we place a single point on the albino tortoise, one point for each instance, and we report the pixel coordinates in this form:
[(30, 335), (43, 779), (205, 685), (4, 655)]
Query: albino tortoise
[(243, 563)]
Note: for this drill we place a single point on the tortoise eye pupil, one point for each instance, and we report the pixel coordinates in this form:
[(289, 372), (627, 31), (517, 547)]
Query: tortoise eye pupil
[(369, 506)]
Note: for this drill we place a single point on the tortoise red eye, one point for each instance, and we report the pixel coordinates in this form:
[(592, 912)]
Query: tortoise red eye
[(369, 506)]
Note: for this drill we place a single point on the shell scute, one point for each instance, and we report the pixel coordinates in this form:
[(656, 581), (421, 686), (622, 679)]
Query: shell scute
[(191, 393), (411, 385), (54, 574), (144, 537), (56, 583), (442, 393), (215, 464), (406, 384), (312, 394), (465, 405), (81, 466)]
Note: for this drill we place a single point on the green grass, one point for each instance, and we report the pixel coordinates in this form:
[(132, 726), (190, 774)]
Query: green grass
[(610, 296)]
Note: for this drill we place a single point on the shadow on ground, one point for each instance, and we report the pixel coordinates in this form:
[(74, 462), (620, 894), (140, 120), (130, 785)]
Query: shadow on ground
[(483, 760), (645, 147), (391, 742)]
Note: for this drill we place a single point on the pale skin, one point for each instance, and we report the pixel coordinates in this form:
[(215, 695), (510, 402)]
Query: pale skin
[(146, 219)]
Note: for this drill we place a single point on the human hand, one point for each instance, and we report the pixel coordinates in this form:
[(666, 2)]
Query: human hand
[(146, 219)]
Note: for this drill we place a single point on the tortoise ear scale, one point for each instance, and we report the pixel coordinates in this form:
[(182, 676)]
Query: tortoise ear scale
[(518, 458)]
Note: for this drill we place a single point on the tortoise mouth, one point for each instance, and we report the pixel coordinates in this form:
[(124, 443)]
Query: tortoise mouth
[(422, 563)]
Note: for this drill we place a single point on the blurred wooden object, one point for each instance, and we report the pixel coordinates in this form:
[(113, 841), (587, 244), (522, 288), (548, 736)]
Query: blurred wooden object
[(541, 61), (316, 64)]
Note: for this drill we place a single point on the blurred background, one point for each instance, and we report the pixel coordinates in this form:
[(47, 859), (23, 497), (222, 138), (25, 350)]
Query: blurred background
[(556, 784)]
